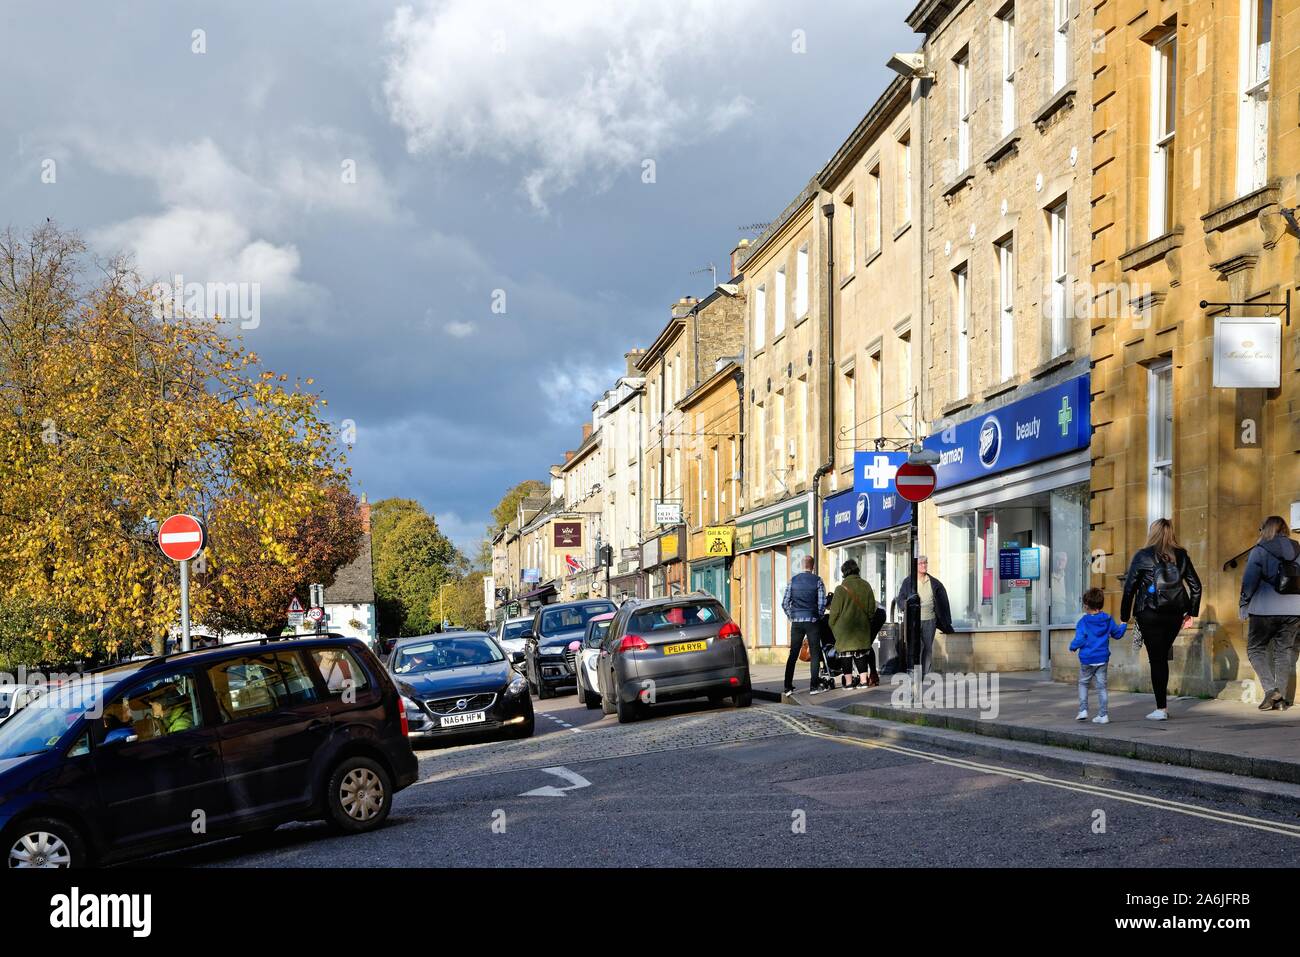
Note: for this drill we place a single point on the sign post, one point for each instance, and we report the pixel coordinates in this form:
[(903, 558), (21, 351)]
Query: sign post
[(915, 482), (182, 537)]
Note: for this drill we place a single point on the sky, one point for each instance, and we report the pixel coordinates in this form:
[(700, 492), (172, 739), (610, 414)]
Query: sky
[(456, 215)]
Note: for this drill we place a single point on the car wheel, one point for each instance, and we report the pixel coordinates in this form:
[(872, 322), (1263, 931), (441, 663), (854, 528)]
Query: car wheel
[(544, 690), (359, 795), (628, 711), (606, 704), (526, 729), (716, 699), (591, 699), (45, 842), (743, 699)]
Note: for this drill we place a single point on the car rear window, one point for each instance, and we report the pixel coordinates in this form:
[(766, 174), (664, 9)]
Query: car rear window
[(260, 684), (676, 616), (574, 618)]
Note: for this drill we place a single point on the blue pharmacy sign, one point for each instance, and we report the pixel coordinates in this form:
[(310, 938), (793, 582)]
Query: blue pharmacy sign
[(1044, 425), (851, 514)]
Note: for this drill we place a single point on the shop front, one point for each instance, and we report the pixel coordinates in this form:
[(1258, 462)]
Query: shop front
[(871, 527), (709, 554), (770, 544), (1011, 507), (662, 559)]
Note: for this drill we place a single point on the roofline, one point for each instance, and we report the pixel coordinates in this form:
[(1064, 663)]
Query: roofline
[(660, 344), (709, 384), (928, 14), (795, 207), (876, 119), (582, 451)]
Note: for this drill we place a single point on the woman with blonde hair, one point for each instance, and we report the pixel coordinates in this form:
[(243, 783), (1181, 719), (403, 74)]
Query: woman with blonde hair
[(1161, 589), (1270, 601)]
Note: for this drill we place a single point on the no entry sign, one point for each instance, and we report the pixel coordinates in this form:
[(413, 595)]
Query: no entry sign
[(181, 537), (915, 482)]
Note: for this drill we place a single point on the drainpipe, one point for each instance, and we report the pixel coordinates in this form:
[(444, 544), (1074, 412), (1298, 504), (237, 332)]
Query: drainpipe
[(815, 519)]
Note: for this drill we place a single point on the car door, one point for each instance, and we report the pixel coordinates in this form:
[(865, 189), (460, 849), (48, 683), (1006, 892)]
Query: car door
[(158, 765), (605, 657), (273, 721), (353, 696)]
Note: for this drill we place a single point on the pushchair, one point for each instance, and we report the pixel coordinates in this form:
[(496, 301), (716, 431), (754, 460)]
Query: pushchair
[(830, 660)]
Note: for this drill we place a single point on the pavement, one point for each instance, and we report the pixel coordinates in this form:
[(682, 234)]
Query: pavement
[(696, 785), (1228, 742)]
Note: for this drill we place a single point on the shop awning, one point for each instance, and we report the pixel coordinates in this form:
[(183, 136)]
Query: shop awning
[(547, 589)]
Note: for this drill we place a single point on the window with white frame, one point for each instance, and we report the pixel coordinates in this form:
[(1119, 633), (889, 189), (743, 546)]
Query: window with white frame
[(779, 458), (876, 414), (877, 206), (905, 371), (850, 237), (760, 449), (717, 486), (961, 326), (1008, 20), (778, 290), (1164, 111), (1160, 440), (1252, 120), (904, 184), (1060, 44), (801, 283), (800, 433), (760, 315), (962, 66), (1006, 309), (849, 406), (701, 516), (1059, 237)]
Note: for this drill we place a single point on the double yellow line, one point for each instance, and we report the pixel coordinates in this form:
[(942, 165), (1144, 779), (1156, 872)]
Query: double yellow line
[(1030, 777)]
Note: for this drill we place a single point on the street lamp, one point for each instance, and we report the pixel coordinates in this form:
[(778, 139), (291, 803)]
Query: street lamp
[(442, 610)]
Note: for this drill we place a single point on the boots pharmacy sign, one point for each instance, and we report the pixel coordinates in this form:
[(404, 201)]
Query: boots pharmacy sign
[(1247, 353), (1049, 423)]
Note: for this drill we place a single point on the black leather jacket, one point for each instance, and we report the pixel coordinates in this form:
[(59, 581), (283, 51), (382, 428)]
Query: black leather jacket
[(1141, 571)]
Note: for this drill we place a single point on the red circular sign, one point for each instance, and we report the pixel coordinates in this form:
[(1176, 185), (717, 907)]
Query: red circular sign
[(181, 537), (915, 482)]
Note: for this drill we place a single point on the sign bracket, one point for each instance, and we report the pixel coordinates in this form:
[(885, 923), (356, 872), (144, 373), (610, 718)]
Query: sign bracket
[(1284, 306)]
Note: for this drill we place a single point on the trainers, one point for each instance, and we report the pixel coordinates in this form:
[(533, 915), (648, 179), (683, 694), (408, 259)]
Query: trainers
[(1160, 714), (1082, 715), (1101, 719), (817, 691), (787, 693)]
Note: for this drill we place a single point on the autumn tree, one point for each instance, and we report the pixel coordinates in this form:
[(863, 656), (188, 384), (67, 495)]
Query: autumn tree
[(464, 601), (114, 415), (505, 513)]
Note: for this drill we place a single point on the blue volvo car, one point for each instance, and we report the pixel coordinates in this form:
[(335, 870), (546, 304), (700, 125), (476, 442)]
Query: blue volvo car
[(163, 753)]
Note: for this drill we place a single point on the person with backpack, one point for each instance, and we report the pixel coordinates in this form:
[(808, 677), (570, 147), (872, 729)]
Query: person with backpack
[(1270, 601), (852, 618), (1162, 590)]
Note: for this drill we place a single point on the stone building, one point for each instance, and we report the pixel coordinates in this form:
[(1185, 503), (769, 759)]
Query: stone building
[(583, 472), (1004, 224), (873, 182), (618, 416), (1194, 183), (698, 333)]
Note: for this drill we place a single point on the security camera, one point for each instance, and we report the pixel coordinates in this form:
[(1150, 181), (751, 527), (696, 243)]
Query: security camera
[(1289, 216), (909, 65)]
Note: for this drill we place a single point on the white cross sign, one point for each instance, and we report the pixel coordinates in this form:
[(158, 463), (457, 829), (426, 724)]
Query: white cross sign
[(879, 472)]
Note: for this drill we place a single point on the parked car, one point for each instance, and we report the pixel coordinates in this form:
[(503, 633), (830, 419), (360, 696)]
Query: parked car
[(13, 698), (116, 763), (547, 663), (461, 683), (664, 649), (587, 652), (512, 631)]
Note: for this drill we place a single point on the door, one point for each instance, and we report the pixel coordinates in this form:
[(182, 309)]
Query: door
[(158, 765), (273, 722)]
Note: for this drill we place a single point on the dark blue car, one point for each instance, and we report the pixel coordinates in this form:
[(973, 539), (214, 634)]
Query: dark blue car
[(461, 683), (167, 752)]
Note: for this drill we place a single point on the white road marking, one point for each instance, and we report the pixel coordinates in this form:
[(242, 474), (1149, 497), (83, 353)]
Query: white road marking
[(575, 780)]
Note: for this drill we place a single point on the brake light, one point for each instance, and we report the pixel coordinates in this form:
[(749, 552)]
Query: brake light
[(632, 643), (401, 711), (729, 630)]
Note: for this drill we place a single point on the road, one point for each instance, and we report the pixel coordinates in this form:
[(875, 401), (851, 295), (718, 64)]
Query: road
[(701, 786)]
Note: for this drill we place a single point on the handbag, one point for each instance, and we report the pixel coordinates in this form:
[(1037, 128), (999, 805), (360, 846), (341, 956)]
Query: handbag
[(804, 653)]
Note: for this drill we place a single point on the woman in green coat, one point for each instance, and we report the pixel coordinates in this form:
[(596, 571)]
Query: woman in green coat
[(851, 611)]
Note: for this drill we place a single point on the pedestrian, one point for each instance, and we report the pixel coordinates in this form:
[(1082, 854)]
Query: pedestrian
[(852, 612), (1092, 637), (803, 604), (1270, 601), (935, 612), (1162, 591)]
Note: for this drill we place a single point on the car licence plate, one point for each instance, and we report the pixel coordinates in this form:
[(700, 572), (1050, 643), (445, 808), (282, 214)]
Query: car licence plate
[(451, 720), (685, 646)]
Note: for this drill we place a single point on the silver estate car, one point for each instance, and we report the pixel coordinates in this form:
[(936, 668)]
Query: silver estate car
[(665, 649)]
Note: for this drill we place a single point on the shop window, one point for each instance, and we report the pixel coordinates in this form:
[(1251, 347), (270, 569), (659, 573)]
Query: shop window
[(762, 602), (1069, 553), (1160, 441)]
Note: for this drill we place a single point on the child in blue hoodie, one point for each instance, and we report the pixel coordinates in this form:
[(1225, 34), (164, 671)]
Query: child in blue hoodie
[(1092, 637)]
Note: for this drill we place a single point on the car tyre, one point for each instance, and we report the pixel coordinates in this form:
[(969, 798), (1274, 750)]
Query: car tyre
[(591, 700), (44, 842), (359, 795), (743, 699), (628, 711), (544, 690), (606, 705), (526, 729)]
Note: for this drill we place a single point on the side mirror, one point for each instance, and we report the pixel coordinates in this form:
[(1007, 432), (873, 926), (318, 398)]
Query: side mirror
[(121, 736), (575, 646), (516, 657)]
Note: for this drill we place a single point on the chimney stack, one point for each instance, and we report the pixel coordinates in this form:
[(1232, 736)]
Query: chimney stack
[(738, 257), (683, 306), (633, 358), (365, 514), (586, 431)]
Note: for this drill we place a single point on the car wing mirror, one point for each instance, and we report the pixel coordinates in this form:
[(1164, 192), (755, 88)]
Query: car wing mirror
[(516, 657)]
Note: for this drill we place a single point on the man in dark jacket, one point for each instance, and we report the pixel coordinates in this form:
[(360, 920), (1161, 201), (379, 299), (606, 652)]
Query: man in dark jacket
[(803, 604), (935, 613), (1274, 616)]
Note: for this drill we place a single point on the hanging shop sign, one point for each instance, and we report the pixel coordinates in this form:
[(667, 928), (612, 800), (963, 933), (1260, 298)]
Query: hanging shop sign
[(1247, 352)]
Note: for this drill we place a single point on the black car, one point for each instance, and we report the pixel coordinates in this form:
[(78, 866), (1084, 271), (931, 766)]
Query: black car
[(548, 664), (130, 760), (460, 683)]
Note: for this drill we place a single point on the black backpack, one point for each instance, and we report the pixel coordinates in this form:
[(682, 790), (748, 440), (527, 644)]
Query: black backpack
[(1166, 594), (1288, 577)]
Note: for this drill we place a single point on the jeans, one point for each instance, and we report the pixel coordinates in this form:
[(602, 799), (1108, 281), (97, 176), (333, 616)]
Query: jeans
[(798, 631), (1269, 646), (1093, 674), (1158, 634)]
